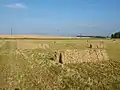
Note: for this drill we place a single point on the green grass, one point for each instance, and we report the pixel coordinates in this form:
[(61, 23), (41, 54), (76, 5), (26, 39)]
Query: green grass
[(33, 69)]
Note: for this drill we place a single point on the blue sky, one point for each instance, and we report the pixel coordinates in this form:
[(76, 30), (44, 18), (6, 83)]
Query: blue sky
[(60, 17)]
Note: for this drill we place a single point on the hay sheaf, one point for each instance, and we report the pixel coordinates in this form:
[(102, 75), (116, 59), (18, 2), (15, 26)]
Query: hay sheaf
[(87, 55)]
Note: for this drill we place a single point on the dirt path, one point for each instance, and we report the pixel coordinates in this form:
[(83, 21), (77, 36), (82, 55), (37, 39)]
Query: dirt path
[(9, 70), (12, 70)]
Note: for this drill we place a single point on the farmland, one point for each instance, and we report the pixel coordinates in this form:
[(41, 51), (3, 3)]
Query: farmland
[(34, 64)]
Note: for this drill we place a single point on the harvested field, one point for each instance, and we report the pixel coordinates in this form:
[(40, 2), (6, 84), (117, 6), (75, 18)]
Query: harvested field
[(33, 37), (33, 65)]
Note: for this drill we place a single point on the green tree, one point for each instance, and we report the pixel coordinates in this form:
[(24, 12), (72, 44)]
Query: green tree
[(112, 35), (115, 35)]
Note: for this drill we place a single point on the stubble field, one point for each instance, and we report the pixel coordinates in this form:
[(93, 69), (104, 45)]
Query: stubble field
[(35, 64)]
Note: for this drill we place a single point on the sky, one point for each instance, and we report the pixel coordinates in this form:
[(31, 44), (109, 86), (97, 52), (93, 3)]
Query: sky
[(60, 17)]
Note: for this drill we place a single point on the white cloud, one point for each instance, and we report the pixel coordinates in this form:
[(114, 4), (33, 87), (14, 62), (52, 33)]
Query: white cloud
[(16, 6)]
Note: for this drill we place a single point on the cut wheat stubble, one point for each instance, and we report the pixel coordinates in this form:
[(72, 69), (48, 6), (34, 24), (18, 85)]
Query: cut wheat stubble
[(80, 56)]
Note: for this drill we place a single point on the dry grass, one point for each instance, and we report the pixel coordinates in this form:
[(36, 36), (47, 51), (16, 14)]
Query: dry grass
[(26, 66), (30, 45), (88, 55)]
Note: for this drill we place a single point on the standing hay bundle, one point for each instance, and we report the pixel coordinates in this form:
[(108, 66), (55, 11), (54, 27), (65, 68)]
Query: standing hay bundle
[(54, 42), (55, 55), (45, 46), (60, 58), (101, 44), (90, 46)]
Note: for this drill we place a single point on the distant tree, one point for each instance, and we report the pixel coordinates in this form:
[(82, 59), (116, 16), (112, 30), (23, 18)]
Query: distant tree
[(99, 37), (112, 35), (115, 35), (107, 37)]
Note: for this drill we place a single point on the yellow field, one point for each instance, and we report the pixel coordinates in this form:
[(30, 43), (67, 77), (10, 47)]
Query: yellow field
[(34, 64), (32, 36)]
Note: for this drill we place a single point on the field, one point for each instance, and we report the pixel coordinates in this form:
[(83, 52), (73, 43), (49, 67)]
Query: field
[(35, 64)]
